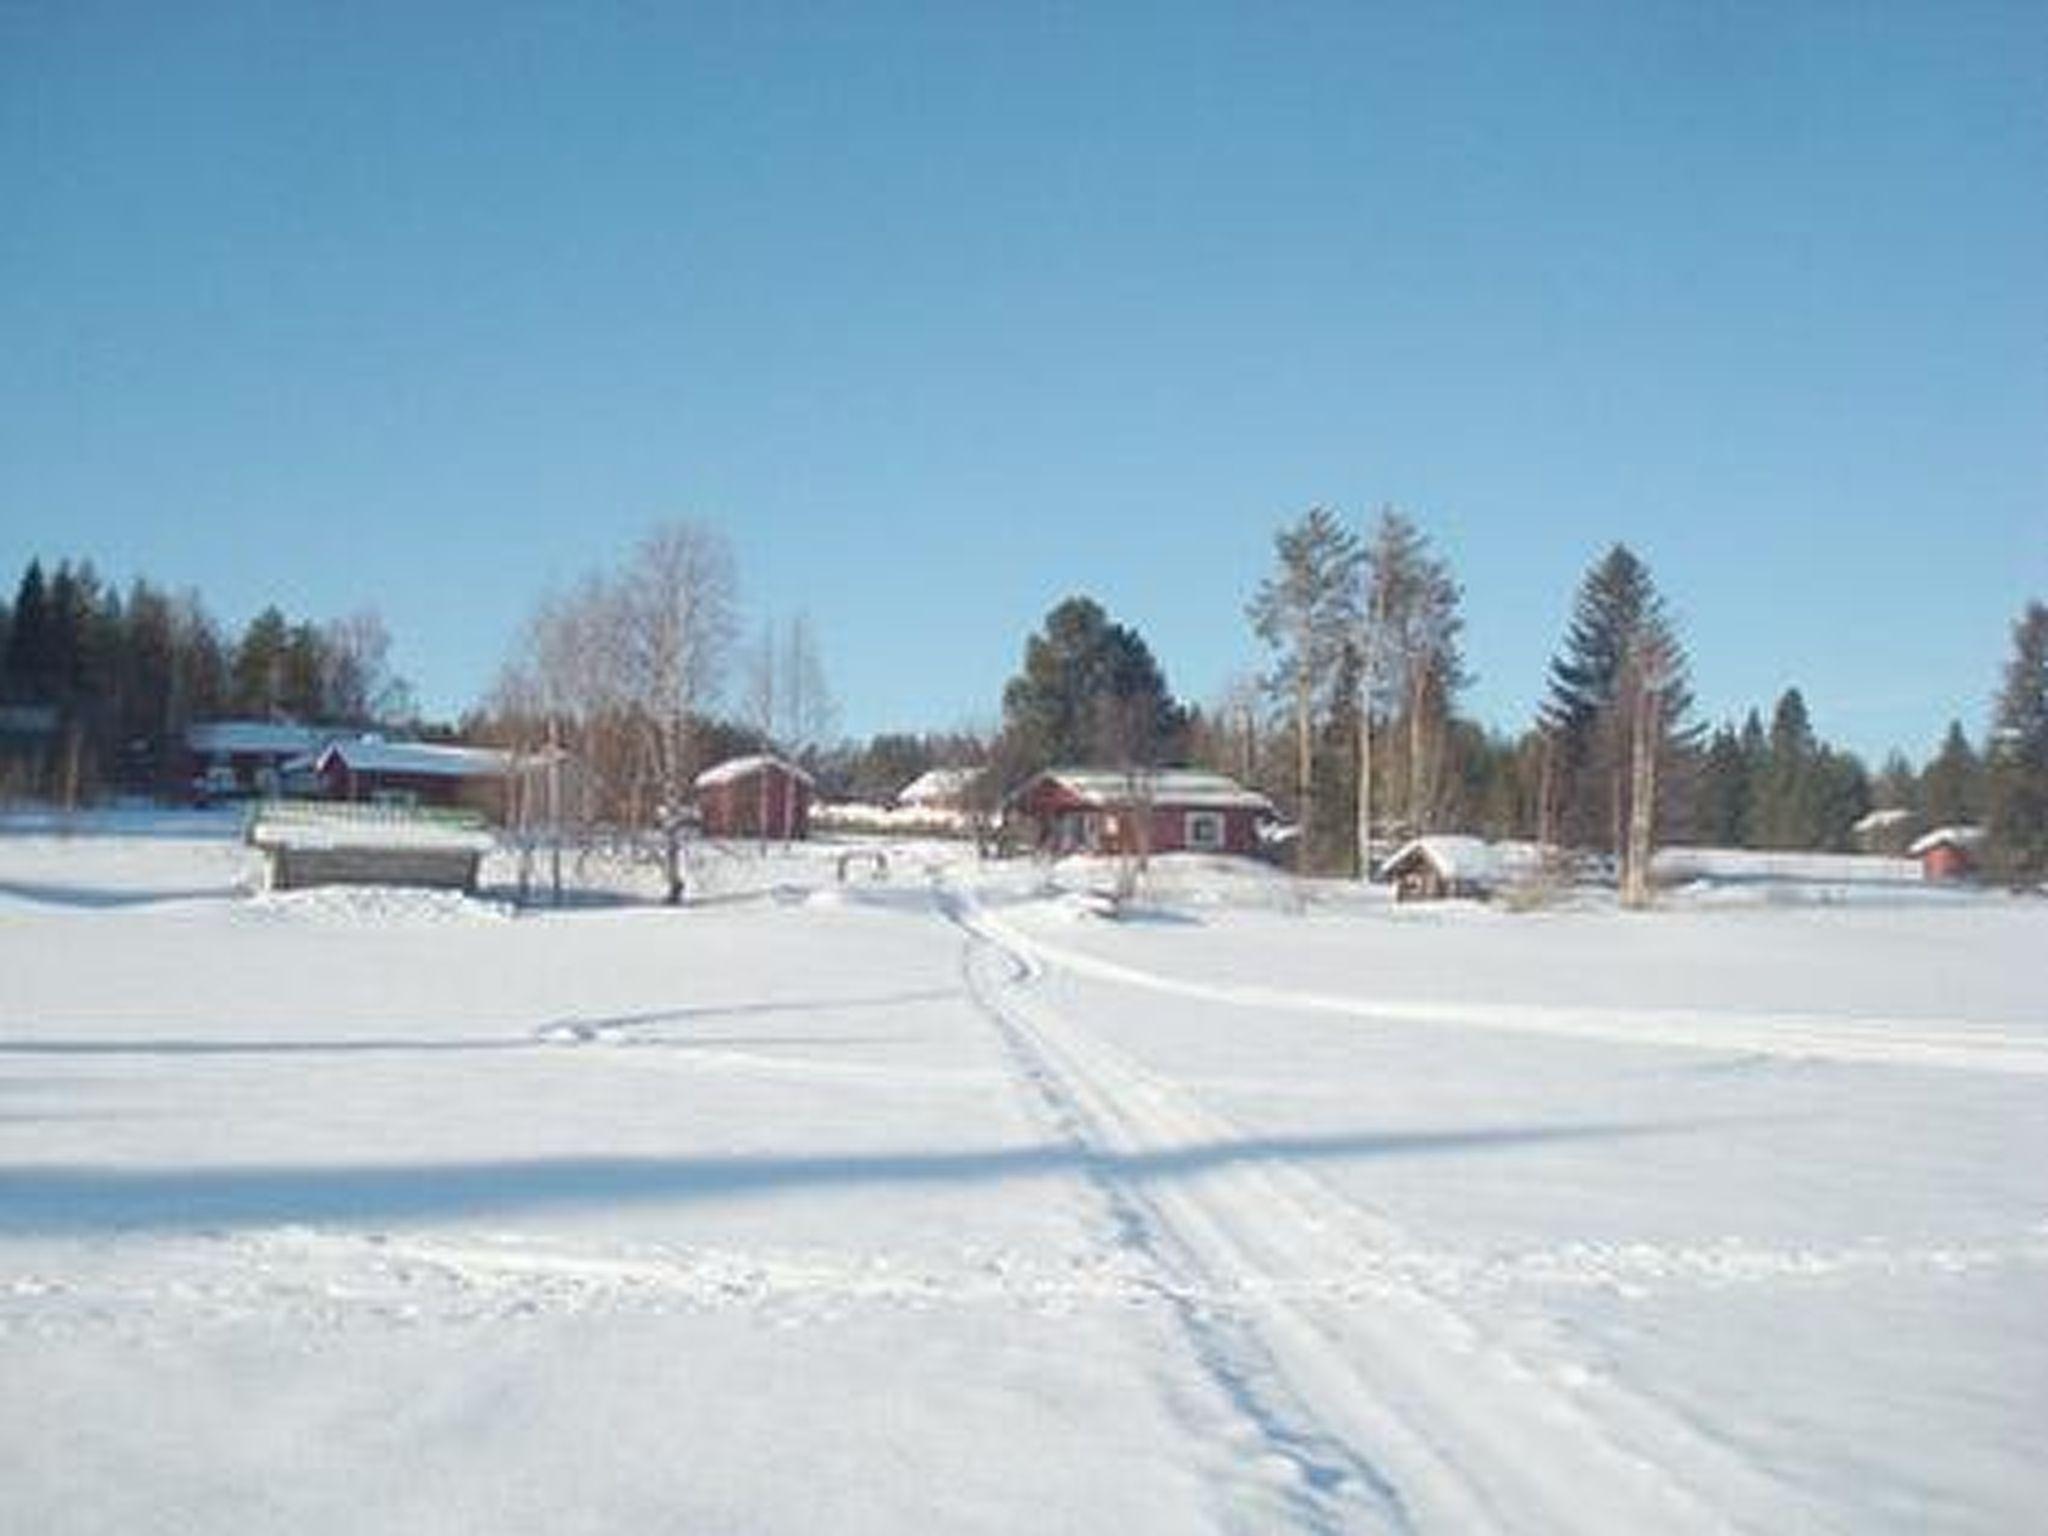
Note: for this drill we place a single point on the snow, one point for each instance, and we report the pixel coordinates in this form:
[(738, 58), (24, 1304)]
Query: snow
[(1191, 787), (1947, 837), (307, 824), (939, 788), (208, 737), (926, 1198), (373, 754), (1466, 859), (741, 767)]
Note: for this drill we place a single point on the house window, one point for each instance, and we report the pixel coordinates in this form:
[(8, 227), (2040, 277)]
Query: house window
[(1205, 829)]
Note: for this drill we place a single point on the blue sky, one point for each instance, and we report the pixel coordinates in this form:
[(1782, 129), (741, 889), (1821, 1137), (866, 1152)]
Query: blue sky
[(945, 312)]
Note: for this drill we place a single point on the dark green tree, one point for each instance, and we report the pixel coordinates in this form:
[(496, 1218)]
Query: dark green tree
[(2017, 768), (260, 663), (1787, 800), (1951, 786), (1090, 692), (1618, 618), (26, 670), (1725, 791)]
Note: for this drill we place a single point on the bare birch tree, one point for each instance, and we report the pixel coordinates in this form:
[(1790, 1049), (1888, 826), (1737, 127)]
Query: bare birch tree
[(1412, 667), (675, 636)]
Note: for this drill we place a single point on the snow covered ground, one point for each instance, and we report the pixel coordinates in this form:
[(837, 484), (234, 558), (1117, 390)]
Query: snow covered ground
[(938, 1200)]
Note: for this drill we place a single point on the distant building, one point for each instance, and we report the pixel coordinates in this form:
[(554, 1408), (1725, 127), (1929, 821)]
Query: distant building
[(1889, 830), (228, 759), (1440, 867), (756, 796), (1157, 810), (940, 789), (412, 773), (1948, 853)]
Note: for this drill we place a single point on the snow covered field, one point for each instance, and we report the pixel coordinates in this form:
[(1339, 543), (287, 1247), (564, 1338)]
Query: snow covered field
[(938, 1202)]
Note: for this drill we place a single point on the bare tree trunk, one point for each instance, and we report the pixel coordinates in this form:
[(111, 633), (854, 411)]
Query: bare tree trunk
[(1365, 782), (1642, 811), (1304, 766)]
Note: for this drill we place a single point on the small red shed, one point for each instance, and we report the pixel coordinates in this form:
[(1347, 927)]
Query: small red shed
[(758, 796), (1155, 810), (1948, 853)]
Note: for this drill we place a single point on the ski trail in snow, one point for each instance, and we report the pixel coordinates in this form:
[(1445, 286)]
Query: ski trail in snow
[(1402, 1413), (1322, 1484), (1874, 1041)]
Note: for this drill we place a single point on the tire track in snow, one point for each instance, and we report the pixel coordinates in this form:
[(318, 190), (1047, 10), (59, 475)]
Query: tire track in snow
[(1446, 1430)]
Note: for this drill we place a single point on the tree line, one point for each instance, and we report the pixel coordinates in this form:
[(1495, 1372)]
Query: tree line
[(1355, 728), (98, 684), (639, 675)]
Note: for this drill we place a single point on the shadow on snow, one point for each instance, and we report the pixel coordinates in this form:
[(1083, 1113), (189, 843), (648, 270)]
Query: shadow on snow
[(63, 1198)]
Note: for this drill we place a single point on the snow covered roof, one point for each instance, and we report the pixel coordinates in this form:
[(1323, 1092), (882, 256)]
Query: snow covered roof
[(256, 736), (1947, 837), (1196, 788), (939, 786), (743, 767), (1889, 816), (423, 759), (1469, 860), (299, 826)]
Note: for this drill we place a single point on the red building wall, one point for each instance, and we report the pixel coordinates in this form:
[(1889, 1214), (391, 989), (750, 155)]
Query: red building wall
[(738, 807)]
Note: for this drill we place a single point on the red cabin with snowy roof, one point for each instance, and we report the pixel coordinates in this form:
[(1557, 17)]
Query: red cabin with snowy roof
[(756, 796), (1153, 810)]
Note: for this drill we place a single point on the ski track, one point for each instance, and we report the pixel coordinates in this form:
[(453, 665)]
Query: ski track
[(1800, 1037), (1403, 1414)]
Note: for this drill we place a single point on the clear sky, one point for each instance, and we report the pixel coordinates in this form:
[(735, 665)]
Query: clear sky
[(944, 312)]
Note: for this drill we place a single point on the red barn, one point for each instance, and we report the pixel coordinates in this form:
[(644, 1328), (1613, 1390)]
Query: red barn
[(414, 773), (1160, 810), (755, 797), (1948, 853)]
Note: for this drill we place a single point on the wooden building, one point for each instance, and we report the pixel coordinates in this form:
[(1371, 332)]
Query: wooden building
[(306, 845), (1160, 810), (757, 796), (1443, 867), (1948, 853), (371, 770), (230, 759)]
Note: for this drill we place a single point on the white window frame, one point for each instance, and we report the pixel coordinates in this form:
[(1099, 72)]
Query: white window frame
[(1210, 822)]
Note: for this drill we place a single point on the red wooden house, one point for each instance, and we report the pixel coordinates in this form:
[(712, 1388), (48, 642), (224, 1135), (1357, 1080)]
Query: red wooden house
[(1948, 853), (756, 796), (414, 773), (1156, 810)]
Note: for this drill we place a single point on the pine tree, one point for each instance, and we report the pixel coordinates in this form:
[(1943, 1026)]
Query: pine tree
[(1307, 613), (2017, 827), (1090, 692)]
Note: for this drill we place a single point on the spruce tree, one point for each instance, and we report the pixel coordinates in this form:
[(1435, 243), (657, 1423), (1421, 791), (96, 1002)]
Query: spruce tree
[(1619, 621), (25, 670), (2017, 767), (1951, 787)]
